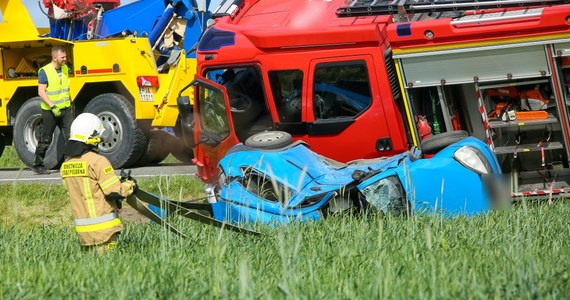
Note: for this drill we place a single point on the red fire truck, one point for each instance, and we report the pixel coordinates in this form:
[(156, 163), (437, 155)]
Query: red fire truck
[(365, 79)]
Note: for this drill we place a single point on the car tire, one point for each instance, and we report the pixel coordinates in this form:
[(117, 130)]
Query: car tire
[(124, 143), (27, 132), (437, 142), (269, 140)]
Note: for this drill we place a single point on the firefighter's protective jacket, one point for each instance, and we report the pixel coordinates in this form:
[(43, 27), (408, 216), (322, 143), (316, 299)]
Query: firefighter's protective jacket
[(94, 188)]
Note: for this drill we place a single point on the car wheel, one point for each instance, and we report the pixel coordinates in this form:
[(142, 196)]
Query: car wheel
[(123, 142), (269, 140), (27, 132), (437, 142)]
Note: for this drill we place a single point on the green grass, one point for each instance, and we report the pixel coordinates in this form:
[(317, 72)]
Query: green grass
[(522, 253), (10, 159)]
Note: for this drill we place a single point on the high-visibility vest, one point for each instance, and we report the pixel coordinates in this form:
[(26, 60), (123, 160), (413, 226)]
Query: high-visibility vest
[(58, 88)]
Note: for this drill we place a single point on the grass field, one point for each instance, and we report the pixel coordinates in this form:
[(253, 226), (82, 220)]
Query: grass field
[(10, 159), (522, 253)]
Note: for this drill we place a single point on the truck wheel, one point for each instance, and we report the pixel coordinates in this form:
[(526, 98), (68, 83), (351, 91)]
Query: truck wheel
[(183, 154), (27, 133), (123, 143), (2, 144), (269, 140), (156, 150), (437, 142), (181, 148)]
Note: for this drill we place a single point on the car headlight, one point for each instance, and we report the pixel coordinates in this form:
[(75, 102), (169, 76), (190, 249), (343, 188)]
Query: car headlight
[(472, 159)]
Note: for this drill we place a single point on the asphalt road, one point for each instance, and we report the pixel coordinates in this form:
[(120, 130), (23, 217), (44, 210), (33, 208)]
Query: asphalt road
[(26, 175)]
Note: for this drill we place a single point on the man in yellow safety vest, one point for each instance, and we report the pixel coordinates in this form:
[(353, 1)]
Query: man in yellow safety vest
[(53, 89), (93, 187)]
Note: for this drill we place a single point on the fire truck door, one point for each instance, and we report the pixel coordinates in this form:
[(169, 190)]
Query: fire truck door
[(214, 130), (345, 116)]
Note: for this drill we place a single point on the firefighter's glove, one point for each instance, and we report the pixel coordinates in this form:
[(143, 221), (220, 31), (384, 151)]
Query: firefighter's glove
[(123, 176), (56, 111), (126, 177), (128, 187)]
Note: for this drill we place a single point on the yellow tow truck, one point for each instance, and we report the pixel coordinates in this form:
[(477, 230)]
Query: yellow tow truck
[(122, 78)]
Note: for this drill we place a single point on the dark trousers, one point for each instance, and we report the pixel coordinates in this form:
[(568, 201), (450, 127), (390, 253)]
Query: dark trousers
[(47, 127)]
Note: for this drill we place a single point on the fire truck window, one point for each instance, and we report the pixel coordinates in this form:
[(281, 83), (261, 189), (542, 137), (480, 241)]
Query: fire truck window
[(248, 106), (213, 112), (286, 87), (341, 89)]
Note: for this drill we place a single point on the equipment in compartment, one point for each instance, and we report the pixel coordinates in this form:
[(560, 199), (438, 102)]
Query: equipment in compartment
[(435, 111), (424, 127), (23, 60), (527, 136), (510, 103)]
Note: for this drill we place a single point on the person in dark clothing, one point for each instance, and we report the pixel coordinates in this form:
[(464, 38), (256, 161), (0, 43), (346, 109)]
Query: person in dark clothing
[(53, 89)]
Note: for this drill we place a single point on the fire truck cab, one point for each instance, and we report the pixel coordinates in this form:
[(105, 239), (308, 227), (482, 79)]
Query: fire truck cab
[(369, 79), (322, 78)]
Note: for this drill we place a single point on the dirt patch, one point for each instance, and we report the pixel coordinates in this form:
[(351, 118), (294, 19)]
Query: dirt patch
[(129, 214)]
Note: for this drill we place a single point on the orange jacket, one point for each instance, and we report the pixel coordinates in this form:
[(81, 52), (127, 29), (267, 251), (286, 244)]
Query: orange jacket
[(94, 188)]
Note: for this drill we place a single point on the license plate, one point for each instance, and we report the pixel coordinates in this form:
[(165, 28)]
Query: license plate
[(146, 94)]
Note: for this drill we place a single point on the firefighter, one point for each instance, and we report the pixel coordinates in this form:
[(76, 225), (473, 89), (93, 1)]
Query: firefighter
[(93, 187), (53, 89)]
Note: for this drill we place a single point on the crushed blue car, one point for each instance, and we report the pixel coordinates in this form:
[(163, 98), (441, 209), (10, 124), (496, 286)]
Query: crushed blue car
[(293, 183)]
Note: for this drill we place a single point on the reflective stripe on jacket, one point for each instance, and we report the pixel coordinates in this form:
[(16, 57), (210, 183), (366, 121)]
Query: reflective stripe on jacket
[(93, 188), (58, 88)]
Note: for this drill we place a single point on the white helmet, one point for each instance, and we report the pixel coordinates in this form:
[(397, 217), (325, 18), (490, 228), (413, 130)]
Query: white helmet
[(86, 128)]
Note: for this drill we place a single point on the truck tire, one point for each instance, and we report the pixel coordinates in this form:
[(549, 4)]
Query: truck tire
[(435, 143), (156, 150), (2, 145), (27, 132), (269, 140), (123, 142), (183, 154)]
